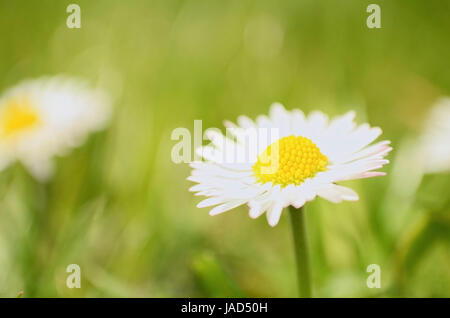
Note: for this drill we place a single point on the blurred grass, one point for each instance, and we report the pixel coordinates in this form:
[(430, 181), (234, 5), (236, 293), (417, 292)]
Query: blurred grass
[(120, 208)]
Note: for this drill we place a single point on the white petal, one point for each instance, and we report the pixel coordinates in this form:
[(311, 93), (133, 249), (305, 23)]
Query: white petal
[(317, 122), (211, 202), (336, 193), (281, 119), (226, 207), (378, 150), (256, 211), (274, 213), (245, 122)]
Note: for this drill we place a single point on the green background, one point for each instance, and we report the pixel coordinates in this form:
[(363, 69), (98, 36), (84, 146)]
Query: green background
[(120, 208)]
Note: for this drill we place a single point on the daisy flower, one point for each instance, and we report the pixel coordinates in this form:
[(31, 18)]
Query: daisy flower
[(311, 154), (434, 148), (45, 117), (416, 156)]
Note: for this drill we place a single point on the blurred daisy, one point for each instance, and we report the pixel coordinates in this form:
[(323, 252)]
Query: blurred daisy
[(416, 156), (311, 154), (46, 117), (434, 146)]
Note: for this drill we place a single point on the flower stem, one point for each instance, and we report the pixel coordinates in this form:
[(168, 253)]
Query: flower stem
[(301, 251)]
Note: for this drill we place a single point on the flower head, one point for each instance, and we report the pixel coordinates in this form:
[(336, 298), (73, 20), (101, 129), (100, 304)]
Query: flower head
[(304, 158), (46, 117), (434, 146)]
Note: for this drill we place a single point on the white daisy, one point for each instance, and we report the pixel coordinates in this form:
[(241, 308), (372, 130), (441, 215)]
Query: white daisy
[(311, 155), (434, 146), (46, 117)]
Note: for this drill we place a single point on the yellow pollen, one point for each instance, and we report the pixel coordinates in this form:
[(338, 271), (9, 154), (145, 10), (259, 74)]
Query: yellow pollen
[(17, 116), (289, 160)]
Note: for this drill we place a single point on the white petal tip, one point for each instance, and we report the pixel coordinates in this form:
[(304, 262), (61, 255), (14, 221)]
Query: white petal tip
[(350, 198), (252, 215), (298, 204), (277, 105), (273, 223), (228, 124)]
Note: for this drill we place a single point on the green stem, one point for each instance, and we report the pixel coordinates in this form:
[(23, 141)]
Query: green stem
[(301, 251)]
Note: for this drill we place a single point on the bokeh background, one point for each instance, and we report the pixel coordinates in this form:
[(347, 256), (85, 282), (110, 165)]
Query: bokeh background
[(120, 208)]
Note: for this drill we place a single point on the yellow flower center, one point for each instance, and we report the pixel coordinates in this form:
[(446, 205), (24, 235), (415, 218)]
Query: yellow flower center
[(289, 160), (16, 116)]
